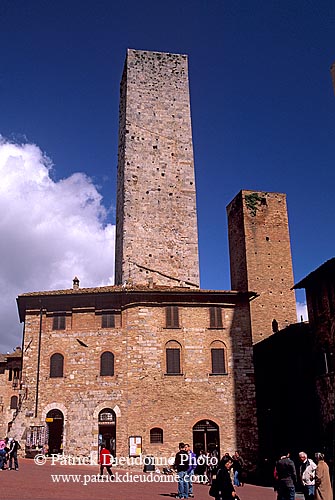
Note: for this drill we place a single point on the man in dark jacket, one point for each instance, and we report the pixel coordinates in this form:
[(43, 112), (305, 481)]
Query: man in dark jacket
[(181, 465), (14, 446), (286, 478)]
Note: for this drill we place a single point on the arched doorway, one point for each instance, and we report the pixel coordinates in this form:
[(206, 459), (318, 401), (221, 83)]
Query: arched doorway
[(206, 436), (107, 430), (55, 424)]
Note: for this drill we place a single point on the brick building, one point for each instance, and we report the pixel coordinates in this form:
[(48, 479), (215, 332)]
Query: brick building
[(10, 376), (155, 359)]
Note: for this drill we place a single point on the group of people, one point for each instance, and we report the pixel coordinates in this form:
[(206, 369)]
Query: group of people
[(8, 454), (221, 475), (313, 476)]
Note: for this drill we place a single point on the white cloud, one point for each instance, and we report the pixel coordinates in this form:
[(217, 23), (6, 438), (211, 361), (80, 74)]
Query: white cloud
[(49, 232), (302, 311)]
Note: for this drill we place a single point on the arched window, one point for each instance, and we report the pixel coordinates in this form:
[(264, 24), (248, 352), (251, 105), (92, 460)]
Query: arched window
[(13, 403), (56, 365), (107, 415), (107, 364), (218, 358), (156, 435), (173, 361)]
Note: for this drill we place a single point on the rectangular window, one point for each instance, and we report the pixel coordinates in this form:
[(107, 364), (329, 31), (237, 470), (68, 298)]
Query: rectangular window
[(173, 361), (218, 362), (58, 322), (108, 320), (215, 315), (172, 317)]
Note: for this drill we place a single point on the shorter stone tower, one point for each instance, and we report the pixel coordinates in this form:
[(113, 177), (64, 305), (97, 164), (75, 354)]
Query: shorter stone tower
[(332, 71), (260, 259)]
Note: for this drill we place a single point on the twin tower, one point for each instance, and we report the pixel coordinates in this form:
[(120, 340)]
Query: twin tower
[(156, 223)]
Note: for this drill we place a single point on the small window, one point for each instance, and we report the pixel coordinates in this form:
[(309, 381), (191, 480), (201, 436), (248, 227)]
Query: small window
[(56, 365), (172, 317), (108, 320), (156, 435), (107, 364), (13, 403), (215, 315), (58, 322), (218, 359), (173, 358)]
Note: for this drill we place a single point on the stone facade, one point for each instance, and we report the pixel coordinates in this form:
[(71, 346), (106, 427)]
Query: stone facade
[(284, 379), (260, 259), (320, 295), (10, 394), (156, 222), (141, 393)]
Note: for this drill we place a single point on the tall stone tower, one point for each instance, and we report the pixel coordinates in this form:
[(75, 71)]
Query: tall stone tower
[(156, 220), (260, 259)]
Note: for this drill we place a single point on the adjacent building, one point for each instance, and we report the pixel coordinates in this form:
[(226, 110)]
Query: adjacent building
[(10, 390), (320, 295)]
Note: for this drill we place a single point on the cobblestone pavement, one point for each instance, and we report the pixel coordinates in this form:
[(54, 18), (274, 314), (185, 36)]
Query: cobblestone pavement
[(39, 482)]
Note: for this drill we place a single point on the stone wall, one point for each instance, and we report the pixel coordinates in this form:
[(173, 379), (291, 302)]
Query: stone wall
[(142, 395), (156, 234)]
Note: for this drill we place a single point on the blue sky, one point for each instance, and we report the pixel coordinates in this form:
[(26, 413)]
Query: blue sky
[(262, 103)]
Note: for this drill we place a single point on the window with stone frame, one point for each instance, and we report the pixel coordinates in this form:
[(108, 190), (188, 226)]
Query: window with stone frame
[(156, 435), (13, 403), (58, 322), (218, 358), (215, 317), (56, 365), (107, 364), (173, 358), (172, 316), (108, 320)]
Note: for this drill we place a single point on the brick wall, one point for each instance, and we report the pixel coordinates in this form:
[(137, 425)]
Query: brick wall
[(140, 392), (260, 258)]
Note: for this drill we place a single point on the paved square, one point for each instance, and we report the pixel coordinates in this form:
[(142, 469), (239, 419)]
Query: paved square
[(40, 482)]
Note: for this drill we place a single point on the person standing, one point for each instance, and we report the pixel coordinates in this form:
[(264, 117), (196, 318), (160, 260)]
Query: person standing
[(237, 468), (286, 478), (105, 460), (181, 465), (192, 461), (306, 473), (323, 488), (222, 487), (13, 446)]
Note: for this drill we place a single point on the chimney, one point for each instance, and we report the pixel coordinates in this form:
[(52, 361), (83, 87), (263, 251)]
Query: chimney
[(75, 283)]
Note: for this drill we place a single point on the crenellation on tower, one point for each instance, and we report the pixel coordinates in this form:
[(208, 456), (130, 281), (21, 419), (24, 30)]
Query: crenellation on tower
[(157, 236), (260, 258)]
